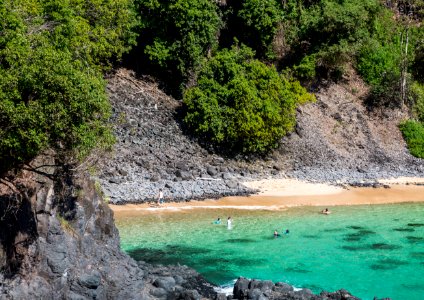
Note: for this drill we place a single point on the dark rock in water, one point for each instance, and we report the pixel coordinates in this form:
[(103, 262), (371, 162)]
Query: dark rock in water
[(384, 246), (404, 229), (283, 287), (241, 288), (221, 296), (257, 289), (416, 224)]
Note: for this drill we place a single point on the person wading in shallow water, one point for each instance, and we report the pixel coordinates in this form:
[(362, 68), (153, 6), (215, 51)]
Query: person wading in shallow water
[(160, 197), (229, 223)]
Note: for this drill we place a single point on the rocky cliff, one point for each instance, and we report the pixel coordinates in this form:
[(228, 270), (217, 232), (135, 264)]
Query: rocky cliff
[(58, 241)]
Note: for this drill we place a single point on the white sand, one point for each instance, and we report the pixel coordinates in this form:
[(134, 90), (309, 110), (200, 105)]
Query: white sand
[(291, 187)]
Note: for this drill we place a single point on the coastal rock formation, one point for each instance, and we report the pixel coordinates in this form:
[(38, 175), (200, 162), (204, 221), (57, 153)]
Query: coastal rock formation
[(58, 240), (262, 290), (336, 140)]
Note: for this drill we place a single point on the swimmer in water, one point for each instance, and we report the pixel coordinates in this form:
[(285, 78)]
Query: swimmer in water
[(326, 211), (287, 231), (217, 221), (276, 233)]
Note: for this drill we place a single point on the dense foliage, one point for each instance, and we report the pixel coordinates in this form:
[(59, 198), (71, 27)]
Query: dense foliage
[(52, 94), (241, 104), (177, 34), (53, 53), (254, 23)]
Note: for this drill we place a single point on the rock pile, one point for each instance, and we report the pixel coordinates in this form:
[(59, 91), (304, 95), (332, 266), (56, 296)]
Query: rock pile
[(265, 289)]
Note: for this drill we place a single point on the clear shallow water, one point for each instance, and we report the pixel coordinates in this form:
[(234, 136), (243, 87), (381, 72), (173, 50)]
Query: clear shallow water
[(369, 250)]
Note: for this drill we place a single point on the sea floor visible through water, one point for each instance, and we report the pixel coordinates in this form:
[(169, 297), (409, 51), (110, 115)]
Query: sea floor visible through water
[(370, 250)]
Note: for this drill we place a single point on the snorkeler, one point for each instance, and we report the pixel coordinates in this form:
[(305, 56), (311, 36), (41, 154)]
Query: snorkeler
[(217, 221)]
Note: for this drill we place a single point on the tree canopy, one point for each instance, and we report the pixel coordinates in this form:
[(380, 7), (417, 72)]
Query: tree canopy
[(52, 92)]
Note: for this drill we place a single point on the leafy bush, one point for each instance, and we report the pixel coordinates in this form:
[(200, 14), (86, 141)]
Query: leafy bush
[(306, 69), (52, 94), (177, 34), (413, 133), (240, 104), (260, 20)]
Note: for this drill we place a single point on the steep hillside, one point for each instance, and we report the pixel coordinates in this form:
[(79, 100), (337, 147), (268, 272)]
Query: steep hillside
[(336, 140), (339, 139)]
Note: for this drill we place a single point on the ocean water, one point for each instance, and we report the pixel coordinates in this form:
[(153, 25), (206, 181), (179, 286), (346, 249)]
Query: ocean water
[(371, 251)]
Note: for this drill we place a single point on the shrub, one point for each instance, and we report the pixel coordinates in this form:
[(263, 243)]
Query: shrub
[(242, 105), (306, 68), (379, 65), (413, 133)]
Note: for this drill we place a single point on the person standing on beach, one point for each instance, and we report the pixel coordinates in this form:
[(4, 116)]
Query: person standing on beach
[(160, 197), (229, 223)]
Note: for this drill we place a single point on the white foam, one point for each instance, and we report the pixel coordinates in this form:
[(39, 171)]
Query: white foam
[(226, 289)]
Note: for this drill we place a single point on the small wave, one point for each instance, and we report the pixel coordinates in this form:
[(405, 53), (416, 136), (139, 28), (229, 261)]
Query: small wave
[(226, 289)]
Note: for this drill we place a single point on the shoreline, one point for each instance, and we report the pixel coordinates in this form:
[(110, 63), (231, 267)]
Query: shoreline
[(281, 194)]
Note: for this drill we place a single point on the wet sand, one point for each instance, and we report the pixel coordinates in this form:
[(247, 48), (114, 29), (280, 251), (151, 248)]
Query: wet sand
[(281, 194)]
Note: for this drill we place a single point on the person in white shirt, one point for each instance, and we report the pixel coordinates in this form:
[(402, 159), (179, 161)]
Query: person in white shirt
[(160, 197), (229, 223)]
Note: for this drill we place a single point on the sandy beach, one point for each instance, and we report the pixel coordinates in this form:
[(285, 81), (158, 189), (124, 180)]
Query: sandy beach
[(278, 194)]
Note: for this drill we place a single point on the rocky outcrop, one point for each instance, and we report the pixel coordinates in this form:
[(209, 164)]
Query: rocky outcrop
[(58, 241), (265, 289)]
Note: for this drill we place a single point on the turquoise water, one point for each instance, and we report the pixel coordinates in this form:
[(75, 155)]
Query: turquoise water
[(369, 250)]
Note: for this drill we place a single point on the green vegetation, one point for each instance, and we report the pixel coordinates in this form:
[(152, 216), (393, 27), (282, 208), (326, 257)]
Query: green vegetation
[(241, 104), (52, 93), (177, 34), (413, 132), (53, 55), (259, 21)]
